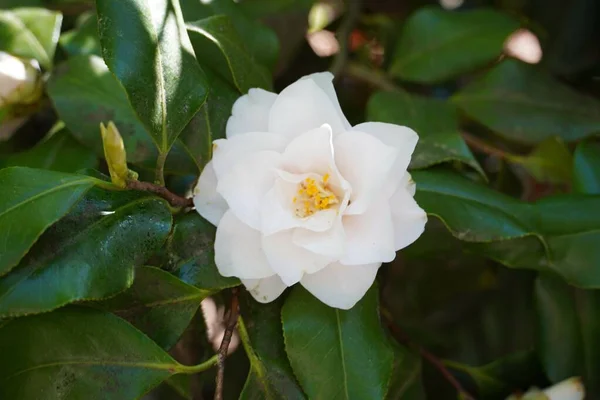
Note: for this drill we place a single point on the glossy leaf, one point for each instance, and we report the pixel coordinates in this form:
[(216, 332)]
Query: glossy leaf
[(436, 45), (83, 39), (30, 33), (57, 152), (571, 227), (337, 354), (221, 47), (191, 252), (146, 47), (85, 94), (158, 304), (439, 137), (32, 200), (525, 104), (586, 171), (568, 331), (78, 353), (557, 233), (472, 212), (550, 161), (261, 41), (89, 254), (209, 123), (270, 375)]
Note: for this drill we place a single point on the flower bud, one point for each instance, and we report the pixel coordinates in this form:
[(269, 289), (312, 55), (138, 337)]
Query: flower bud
[(114, 152), (19, 81)]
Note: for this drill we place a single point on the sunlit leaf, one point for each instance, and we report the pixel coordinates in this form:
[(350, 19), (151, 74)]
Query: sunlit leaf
[(146, 46), (30, 33)]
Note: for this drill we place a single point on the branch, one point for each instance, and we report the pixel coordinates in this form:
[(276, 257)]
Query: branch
[(222, 353), (433, 360), (172, 198), (481, 146), (346, 27)]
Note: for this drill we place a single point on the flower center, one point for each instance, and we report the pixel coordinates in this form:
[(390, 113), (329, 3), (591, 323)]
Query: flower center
[(313, 196)]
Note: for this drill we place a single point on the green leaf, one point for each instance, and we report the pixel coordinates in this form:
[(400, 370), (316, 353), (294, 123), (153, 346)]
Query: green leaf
[(525, 104), (57, 152), (406, 382), (147, 48), (557, 233), (337, 354), (437, 45), (32, 200), (571, 227), (78, 353), (158, 304), (439, 137), (192, 254), (221, 47), (209, 123), (85, 93), (503, 376), (586, 172), (30, 33), (270, 375), (89, 254), (471, 212), (82, 40), (261, 42), (550, 161), (568, 331)]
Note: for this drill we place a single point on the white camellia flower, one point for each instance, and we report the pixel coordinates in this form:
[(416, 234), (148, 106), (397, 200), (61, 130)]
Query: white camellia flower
[(299, 195)]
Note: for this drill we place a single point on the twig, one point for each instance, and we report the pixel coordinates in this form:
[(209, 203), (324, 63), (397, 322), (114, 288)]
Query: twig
[(436, 362), (172, 198), (346, 27), (483, 147), (373, 77), (222, 353)]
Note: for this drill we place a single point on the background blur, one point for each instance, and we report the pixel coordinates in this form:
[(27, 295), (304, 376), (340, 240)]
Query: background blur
[(503, 91)]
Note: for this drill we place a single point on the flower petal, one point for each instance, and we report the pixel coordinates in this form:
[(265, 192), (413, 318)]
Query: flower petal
[(301, 107), (247, 183), (401, 138), (330, 243), (210, 204), (228, 152), (365, 162), (250, 113), (341, 286), (238, 250), (407, 217), (311, 152), (325, 81), (369, 236), (265, 290), (289, 261)]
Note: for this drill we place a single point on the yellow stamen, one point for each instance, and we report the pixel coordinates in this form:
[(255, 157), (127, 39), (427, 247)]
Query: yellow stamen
[(315, 196)]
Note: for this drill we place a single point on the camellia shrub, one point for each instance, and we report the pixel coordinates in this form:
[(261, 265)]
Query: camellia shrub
[(299, 199)]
